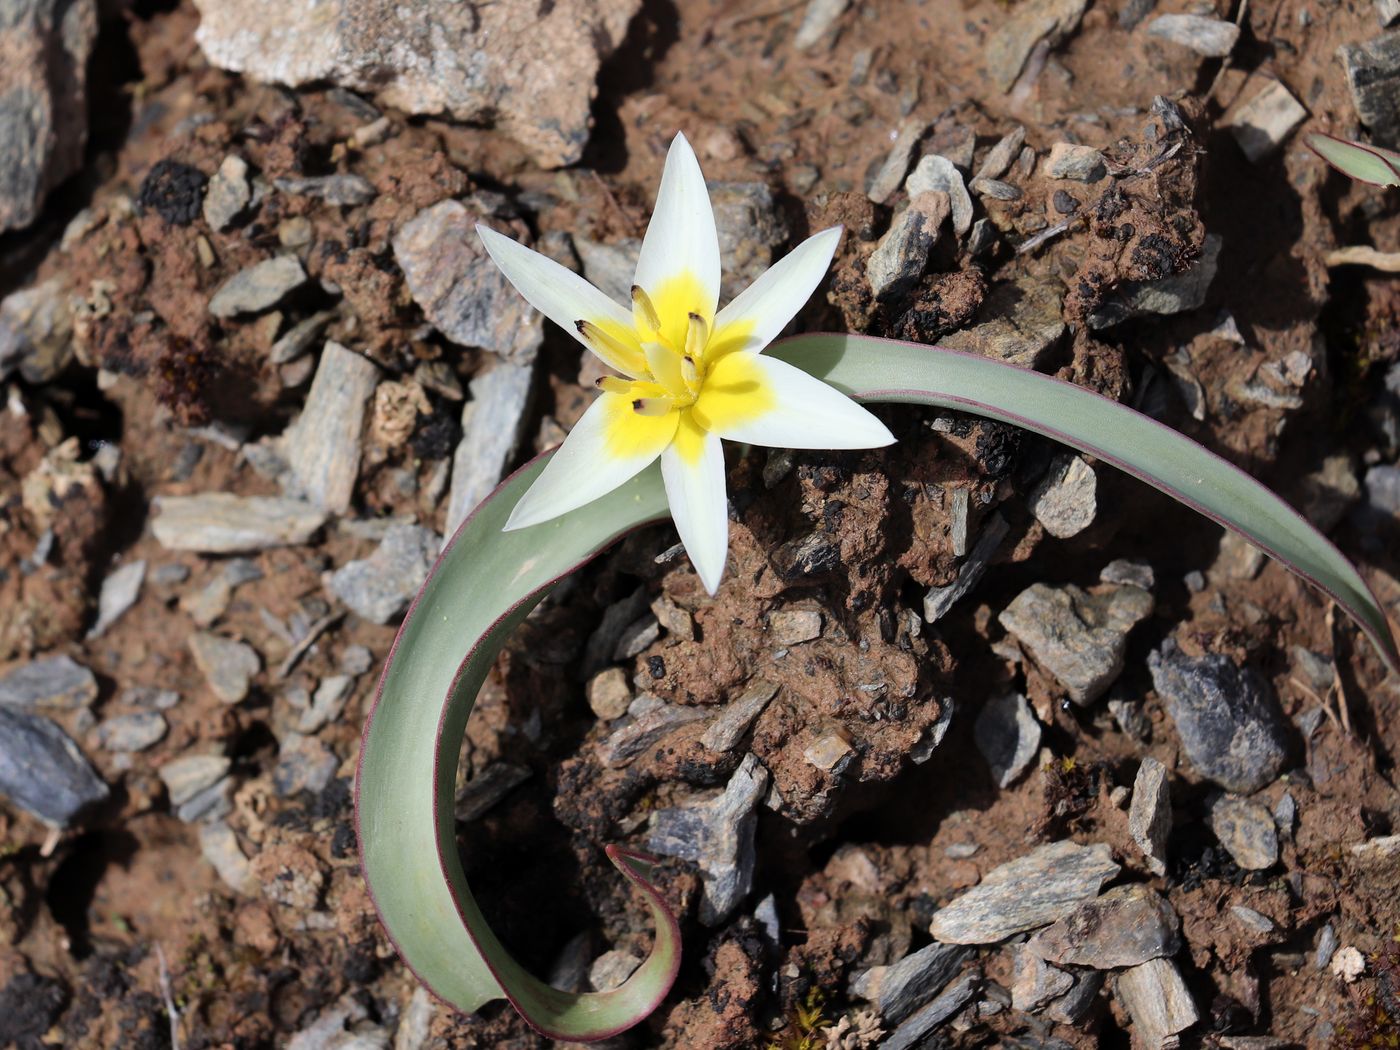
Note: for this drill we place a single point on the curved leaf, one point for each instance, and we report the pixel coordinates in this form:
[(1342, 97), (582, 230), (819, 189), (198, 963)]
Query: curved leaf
[(1358, 160), (487, 581)]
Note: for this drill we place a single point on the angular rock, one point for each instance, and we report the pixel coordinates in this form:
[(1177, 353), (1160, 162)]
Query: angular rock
[(1388, 11), (1036, 982), (1156, 998), (610, 267), (897, 990), (1253, 921), (611, 968), (1076, 163), (36, 329), (1019, 321), (219, 845), (462, 292), (322, 447), (1031, 891), (637, 636), (300, 337), (229, 666), (213, 803), (1003, 154), (1065, 499), (222, 523), (913, 1032), (343, 190), (485, 789), (729, 727), (1261, 124), (649, 727), (718, 837), (303, 764), (1008, 736), (1150, 814), (897, 262), (936, 174), (380, 587), (1078, 637), (190, 775), (1372, 70), (119, 593), (1211, 37), (43, 100), (228, 193), (940, 599), (1028, 24), (528, 69), (52, 681), (1227, 717), (259, 287), (1126, 926), (788, 627), (817, 21), (492, 428), (891, 174), (751, 228), (1247, 831), (135, 731), (831, 753), (42, 771), (1071, 1007), (1181, 293)]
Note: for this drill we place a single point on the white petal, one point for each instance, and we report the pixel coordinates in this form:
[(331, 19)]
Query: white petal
[(681, 236), (765, 307), (587, 465), (805, 413), (695, 490), (555, 291)]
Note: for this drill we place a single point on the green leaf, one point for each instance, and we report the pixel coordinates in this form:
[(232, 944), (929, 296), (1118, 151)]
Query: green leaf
[(487, 581), (1360, 161)]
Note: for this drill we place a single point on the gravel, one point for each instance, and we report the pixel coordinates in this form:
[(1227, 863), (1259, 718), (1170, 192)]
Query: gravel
[(52, 681), (260, 287), (379, 588), (43, 772), (222, 523)]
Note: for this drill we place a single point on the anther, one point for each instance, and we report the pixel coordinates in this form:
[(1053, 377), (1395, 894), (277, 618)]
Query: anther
[(690, 374), (605, 344), (697, 336), (613, 385), (644, 313), (651, 406)]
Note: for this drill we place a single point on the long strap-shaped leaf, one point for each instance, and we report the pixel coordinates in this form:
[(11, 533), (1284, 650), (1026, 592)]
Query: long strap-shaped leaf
[(487, 581)]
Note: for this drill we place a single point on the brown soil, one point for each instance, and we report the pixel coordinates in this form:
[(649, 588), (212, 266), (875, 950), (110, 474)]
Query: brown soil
[(857, 860)]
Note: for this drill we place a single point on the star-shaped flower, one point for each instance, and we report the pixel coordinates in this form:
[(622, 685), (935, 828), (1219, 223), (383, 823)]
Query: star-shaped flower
[(690, 374)]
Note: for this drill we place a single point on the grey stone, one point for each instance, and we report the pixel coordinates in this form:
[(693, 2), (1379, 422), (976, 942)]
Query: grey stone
[(1008, 736), (897, 990), (652, 725), (462, 292), (380, 587), (219, 846), (1252, 920), (1001, 156), (227, 665), (913, 1031), (228, 193), (637, 636), (817, 22), (150, 696), (995, 189), (897, 262), (937, 174), (610, 267), (940, 599), (213, 803), (730, 725), (322, 446), (36, 327), (1023, 894), (356, 660), (222, 523), (788, 627), (299, 338), (43, 100), (488, 787), (718, 837), (1373, 74), (891, 174), (1388, 12), (1170, 295), (327, 703), (51, 681), (1383, 489), (119, 593), (611, 968), (1247, 831), (303, 764), (1227, 717), (417, 1017), (42, 771), (1327, 944), (259, 287), (1078, 637), (598, 650), (751, 229), (343, 1026), (187, 776), (1028, 24), (1065, 499), (1150, 814), (1126, 926), (1156, 998), (493, 424), (1134, 573), (1020, 322), (1076, 163), (345, 190), (527, 69), (1035, 982), (134, 731), (1072, 1007), (1211, 37), (1261, 124)]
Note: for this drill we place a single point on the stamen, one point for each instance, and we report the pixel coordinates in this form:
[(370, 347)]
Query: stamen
[(690, 374), (613, 385), (644, 312), (652, 406), (606, 345), (697, 336)]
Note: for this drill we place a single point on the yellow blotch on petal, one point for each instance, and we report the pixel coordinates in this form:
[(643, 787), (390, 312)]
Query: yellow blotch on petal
[(675, 300), (731, 338), (630, 433), (735, 392), (690, 438)]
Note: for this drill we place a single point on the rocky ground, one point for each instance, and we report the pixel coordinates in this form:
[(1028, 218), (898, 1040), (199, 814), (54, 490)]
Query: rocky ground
[(980, 743)]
